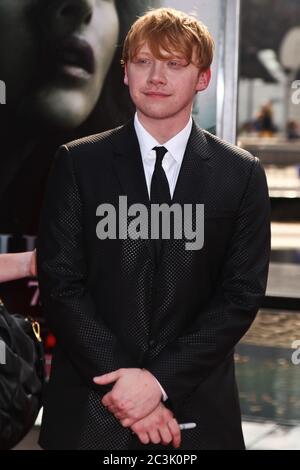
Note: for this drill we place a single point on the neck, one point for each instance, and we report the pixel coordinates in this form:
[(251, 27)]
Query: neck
[(163, 129)]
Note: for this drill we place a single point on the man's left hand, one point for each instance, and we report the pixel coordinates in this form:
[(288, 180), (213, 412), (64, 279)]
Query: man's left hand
[(135, 394)]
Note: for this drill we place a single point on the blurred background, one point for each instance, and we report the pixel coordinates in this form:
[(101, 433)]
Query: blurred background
[(269, 127)]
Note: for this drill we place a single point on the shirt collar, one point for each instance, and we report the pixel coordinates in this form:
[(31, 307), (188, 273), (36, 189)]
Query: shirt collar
[(175, 146)]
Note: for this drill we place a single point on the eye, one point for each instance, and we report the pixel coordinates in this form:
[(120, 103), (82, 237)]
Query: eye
[(142, 61), (175, 64)]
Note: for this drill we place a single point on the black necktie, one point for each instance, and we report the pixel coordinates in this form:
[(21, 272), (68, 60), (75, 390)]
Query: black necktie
[(159, 191)]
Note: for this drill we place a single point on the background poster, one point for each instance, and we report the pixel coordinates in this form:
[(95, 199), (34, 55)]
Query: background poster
[(61, 69)]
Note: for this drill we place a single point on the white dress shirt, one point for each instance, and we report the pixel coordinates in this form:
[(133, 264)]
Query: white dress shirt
[(172, 159), (171, 162)]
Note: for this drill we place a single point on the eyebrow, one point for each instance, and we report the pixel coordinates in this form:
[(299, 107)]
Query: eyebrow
[(169, 57), (143, 53)]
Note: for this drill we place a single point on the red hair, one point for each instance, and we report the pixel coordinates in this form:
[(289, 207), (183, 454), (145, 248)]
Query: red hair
[(170, 30)]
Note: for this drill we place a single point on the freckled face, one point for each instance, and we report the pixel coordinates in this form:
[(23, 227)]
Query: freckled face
[(162, 89)]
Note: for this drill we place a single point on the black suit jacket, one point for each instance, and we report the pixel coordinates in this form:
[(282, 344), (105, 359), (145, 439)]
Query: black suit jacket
[(110, 308)]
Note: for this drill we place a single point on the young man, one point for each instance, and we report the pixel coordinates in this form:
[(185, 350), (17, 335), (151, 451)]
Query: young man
[(146, 328)]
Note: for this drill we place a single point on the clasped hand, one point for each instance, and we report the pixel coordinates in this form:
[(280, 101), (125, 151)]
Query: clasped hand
[(135, 400)]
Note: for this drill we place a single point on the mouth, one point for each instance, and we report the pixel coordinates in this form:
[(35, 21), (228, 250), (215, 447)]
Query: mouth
[(76, 59), (156, 94)]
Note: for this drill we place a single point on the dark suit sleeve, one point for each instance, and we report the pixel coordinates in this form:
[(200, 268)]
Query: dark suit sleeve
[(183, 364), (62, 271)]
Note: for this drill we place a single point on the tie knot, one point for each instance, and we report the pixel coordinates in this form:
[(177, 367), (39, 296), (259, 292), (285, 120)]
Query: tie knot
[(160, 153)]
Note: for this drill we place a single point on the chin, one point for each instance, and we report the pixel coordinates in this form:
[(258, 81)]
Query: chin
[(64, 118), (63, 110), (158, 114)]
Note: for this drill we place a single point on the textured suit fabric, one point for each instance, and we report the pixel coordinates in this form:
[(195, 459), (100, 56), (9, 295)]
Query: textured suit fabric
[(110, 308)]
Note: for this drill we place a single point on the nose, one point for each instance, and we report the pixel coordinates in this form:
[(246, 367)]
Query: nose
[(60, 18), (157, 74)]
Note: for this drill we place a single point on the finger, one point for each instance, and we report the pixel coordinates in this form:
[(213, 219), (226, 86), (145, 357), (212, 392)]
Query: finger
[(119, 415), (154, 436), (106, 400), (107, 378), (124, 423), (175, 431), (143, 437), (165, 434), (127, 422), (112, 410), (110, 405), (109, 402)]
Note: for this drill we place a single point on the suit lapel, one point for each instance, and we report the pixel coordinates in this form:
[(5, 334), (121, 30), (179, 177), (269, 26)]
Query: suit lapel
[(193, 179), (129, 166), (195, 170), (129, 169)]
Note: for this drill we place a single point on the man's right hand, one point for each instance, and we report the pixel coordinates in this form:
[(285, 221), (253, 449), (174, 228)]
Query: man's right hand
[(159, 427)]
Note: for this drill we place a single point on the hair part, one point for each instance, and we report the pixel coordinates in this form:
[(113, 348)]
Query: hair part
[(169, 30)]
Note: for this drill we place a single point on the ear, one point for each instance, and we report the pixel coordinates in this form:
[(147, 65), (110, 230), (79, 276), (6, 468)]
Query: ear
[(125, 75), (203, 80)]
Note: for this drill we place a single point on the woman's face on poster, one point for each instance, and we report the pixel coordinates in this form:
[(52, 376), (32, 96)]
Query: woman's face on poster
[(54, 57)]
